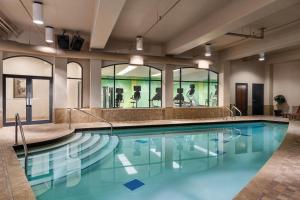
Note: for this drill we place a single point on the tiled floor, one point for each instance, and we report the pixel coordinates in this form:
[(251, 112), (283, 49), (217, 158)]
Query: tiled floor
[(278, 179)]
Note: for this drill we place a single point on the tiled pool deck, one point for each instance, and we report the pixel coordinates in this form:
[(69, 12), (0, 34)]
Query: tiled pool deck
[(278, 179)]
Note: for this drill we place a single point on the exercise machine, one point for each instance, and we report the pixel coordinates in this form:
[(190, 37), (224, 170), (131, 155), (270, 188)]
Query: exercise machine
[(119, 97), (156, 97), (179, 98), (190, 96), (136, 95)]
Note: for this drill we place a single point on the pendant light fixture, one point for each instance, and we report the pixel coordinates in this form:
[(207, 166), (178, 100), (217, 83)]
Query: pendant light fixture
[(136, 60), (203, 64), (207, 50), (261, 57), (49, 34), (139, 43), (37, 13)]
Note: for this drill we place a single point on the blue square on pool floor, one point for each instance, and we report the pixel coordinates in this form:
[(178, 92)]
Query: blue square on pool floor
[(134, 184)]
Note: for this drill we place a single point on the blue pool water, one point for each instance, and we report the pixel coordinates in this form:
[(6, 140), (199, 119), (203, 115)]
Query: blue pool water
[(195, 162)]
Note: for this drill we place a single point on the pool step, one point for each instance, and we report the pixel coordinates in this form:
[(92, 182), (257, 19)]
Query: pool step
[(33, 150), (57, 160), (65, 161), (73, 149)]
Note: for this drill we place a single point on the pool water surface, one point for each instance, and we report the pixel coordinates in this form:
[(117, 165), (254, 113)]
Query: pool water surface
[(191, 162)]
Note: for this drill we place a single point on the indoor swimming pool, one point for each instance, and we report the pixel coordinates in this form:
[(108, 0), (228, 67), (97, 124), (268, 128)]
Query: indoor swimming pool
[(188, 162)]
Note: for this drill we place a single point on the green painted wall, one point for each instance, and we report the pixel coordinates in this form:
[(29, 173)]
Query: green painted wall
[(128, 91)]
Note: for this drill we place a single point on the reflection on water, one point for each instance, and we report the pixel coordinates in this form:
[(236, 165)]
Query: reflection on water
[(158, 158)]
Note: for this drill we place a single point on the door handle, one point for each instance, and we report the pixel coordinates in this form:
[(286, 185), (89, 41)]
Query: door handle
[(28, 102)]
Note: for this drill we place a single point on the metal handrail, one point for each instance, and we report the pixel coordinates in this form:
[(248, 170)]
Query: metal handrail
[(87, 113), (18, 123), (231, 112), (235, 108)]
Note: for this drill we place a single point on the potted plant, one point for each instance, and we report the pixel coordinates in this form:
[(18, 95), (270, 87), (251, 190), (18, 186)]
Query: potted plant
[(280, 100)]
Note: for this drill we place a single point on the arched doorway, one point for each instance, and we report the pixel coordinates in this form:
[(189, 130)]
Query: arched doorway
[(27, 90)]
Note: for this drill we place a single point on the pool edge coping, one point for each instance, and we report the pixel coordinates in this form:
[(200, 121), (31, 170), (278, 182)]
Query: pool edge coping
[(178, 123)]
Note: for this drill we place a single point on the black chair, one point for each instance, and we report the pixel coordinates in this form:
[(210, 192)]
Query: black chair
[(119, 97)]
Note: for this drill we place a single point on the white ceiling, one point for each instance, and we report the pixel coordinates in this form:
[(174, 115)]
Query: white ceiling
[(137, 16), (272, 23)]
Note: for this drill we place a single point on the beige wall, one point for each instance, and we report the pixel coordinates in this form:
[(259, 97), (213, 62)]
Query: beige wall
[(1, 89), (60, 83), (251, 71), (95, 84), (287, 81)]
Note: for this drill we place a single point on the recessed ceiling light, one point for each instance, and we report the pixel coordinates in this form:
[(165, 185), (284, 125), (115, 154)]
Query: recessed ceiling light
[(126, 70), (158, 74)]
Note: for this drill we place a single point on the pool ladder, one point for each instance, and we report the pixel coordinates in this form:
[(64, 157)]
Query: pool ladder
[(232, 115), (90, 114), (18, 124)]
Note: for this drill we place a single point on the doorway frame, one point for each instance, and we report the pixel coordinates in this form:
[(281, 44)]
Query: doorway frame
[(246, 84), (28, 113)]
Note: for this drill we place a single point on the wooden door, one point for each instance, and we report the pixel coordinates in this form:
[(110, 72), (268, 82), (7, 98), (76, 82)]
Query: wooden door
[(241, 97)]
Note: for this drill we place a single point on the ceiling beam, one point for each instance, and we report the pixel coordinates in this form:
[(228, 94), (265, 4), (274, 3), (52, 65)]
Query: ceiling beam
[(106, 16), (284, 38), (16, 47), (234, 15), (286, 56)]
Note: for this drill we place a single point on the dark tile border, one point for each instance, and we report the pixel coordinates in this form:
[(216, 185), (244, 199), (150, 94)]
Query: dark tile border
[(182, 124), (46, 142)]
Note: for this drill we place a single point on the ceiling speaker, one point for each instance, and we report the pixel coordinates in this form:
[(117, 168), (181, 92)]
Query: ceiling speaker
[(63, 41), (76, 43)]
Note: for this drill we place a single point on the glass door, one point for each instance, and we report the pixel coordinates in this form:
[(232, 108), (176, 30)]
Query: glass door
[(39, 100), (15, 99), (28, 96)]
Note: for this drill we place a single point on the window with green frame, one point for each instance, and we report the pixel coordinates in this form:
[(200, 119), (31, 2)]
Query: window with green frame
[(128, 86), (195, 87)]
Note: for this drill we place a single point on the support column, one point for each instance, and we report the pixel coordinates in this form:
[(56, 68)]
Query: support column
[(167, 87), (60, 83), (1, 89), (224, 84), (268, 94), (95, 83)]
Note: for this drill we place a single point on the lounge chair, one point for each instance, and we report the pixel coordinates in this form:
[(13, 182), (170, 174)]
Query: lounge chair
[(295, 115)]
